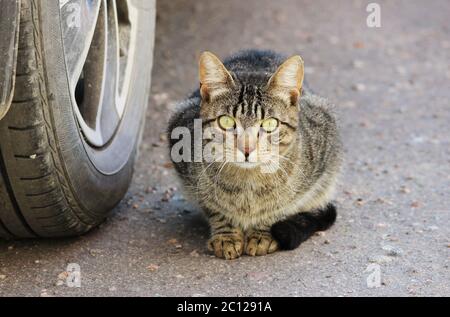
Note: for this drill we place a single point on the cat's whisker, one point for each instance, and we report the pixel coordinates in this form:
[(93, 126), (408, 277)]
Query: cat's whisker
[(292, 163), (286, 183), (204, 170), (217, 178)]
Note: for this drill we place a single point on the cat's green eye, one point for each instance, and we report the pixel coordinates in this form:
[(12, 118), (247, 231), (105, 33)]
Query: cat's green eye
[(227, 122), (269, 125)]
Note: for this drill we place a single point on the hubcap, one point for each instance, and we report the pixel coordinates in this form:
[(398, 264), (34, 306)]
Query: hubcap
[(99, 39)]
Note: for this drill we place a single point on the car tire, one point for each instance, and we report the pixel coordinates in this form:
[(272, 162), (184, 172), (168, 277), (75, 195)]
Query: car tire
[(53, 182)]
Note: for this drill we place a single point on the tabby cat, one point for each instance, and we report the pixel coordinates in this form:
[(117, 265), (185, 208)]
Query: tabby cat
[(258, 199)]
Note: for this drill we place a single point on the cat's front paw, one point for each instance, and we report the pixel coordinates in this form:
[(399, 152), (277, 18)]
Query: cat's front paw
[(227, 246), (260, 243)]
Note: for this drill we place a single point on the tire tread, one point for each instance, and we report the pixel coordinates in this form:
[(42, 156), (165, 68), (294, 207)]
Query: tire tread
[(28, 156)]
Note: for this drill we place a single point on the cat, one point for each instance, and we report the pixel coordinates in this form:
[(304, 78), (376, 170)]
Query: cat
[(258, 201)]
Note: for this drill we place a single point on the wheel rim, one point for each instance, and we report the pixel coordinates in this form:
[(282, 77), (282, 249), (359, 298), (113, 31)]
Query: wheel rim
[(99, 40)]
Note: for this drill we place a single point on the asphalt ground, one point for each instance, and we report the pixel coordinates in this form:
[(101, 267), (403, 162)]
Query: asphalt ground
[(390, 86)]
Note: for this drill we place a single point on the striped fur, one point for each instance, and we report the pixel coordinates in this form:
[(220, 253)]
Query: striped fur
[(243, 204)]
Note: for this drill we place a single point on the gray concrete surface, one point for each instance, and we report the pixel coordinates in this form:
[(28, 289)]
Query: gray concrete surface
[(391, 89)]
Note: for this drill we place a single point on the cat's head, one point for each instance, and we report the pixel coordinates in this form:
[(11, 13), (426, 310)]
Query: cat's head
[(250, 122)]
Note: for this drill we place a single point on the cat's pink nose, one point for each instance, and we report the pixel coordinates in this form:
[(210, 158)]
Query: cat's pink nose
[(246, 144), (246, 149)]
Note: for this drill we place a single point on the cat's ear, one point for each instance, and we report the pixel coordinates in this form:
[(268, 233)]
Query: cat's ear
[(214, 77), (287, 81)]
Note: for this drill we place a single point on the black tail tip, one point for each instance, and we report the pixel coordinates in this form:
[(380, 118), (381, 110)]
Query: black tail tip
[(326, 217), (290, 233)]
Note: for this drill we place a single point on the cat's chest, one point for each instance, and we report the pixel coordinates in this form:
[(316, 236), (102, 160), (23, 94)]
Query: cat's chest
[(245, 195), (248, 199)]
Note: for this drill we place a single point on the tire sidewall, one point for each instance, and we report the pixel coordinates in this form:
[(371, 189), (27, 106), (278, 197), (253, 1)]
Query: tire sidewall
[(98, 178)]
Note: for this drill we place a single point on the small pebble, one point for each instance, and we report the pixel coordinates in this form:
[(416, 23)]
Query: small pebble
[(168, 165), (380, 259), (358, 64), (152, 267), (359, 87), (194, 254), (160, 98), (163, 137), (405, 190), (172, 241), (415, 204), (63, 275), (400, 70), (150, 190), (358, 44), (44, 293), (392, 251), (383, 201), (94, 252)]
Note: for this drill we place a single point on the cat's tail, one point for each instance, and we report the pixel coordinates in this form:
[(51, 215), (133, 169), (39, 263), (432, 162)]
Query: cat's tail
[(291, 232)]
